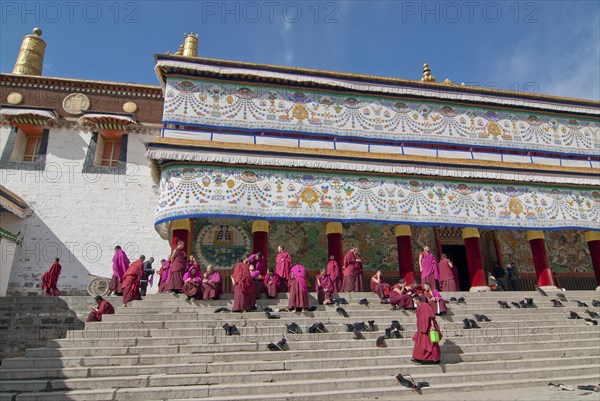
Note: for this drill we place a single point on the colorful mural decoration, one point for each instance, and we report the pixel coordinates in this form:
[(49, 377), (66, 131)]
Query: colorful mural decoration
[(221, 244), (255, 107), (223, 191)]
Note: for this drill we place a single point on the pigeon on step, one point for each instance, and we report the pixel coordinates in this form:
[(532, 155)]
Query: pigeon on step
[(278, 346), (595, 303), (561, 297), (556, 303), (590, 322), (341, 311), (581, 304), (541, 291), (592, 314), (574, 315)]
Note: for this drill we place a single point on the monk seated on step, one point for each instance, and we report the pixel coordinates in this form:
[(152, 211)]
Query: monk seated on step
[(271, 284), (435, 300), (258, 279), (324, 287), (380, 287), (400, 296), (104, 308)]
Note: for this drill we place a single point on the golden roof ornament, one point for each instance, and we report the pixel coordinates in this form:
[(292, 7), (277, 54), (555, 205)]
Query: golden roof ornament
[(427, 77), (190, 45), (179, 51), (31, 56)]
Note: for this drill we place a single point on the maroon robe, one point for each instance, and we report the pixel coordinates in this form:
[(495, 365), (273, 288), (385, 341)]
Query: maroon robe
[(352, 272), (425, 350), (105, 308), (165, 273), (400, 297), (50, 280), (192, 282), (244, 296), (283, 265), (211, 285), (271, 284), (333, 270), (298, 297), (438, 306), (259, 287), (120, 264), (131, 282), (448, 276), (324, 287), (178, 267), (381, 288)]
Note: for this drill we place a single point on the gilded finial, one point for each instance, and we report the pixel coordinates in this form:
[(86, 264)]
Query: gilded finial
[(31, 56), (179, 51), (427, 77), (190, 46)]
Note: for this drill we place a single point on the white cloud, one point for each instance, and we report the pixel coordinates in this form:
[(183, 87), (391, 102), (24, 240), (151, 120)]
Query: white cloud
[(286, 35)]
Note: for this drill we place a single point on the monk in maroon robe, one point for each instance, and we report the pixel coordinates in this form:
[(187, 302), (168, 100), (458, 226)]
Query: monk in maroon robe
[(244, 296), (120, 264), (283, 265), (132, 281), (430, 273), (192, 262), (333, 270), (104, 308), (401, 296), (448, 275), (380, 287), (50, 279), (211, 284), (271, 284), (192, 283), (258, 279), (258, 261), (352, 271), (164, 273), (425, 352), (178, 268), (298, 298), (324, 287), (435, 300)]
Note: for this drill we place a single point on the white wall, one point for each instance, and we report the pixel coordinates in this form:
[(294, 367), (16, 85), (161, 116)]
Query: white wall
[(81, 217)]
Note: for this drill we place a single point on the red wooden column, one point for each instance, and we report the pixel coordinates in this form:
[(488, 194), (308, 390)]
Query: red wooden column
[(260, 238), (593, 240), (405, 256), (181, 230), (540, 258), (334, 243), (474, 259)]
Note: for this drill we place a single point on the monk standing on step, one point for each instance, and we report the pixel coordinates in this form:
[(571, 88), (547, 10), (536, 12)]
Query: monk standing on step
[(178, 268), (333, 270), (103, 308), (425, 352), (244, 295), (352, 271), (50, 279), (283, 265), (132, 281), (298, 289), (430, 272), (120, 264), (448, 275)]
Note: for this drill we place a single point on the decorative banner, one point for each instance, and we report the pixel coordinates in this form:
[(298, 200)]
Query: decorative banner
[(204, 191), (254, 107), (222, 245)]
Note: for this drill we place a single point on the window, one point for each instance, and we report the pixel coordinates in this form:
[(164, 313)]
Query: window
[(31, 149), (110, 153)]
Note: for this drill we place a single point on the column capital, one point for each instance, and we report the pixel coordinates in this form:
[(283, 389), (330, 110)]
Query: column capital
[(592, 236), (535, 234), (470, 232), (181, 224), (260, 226), (402, 230), (333, 228)]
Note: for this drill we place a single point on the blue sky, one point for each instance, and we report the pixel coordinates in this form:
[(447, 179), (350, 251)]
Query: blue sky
[(537, 46)]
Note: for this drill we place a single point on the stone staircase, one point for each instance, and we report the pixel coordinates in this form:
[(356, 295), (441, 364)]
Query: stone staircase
[(164, 348)]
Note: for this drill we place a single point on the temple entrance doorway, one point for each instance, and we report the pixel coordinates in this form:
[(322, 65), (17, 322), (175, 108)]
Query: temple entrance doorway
[(458, 255)]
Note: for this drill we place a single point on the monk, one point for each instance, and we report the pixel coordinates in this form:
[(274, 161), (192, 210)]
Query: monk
[(211, 284), (244, 296), (283, 265), (192, 262), (164, 273), (380, 287), (258, 279), (192, 283), (448, 275), (178, 268), (50, 279), (333, 270), (352, 271), (271, 284), (132, 281), (324, 287), (120, 264), (401, 296), (429, 268), (298, 298), (425, 352), (259, 262), (435, 300), (104, 308)]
